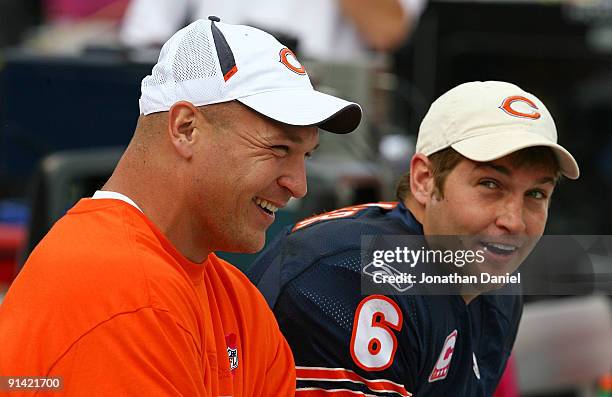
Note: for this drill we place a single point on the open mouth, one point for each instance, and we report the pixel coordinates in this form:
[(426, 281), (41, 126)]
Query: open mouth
[(266, 206), (499, 248)]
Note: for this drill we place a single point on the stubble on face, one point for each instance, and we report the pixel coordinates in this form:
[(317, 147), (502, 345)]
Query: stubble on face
[(495, 207), (246, 166)]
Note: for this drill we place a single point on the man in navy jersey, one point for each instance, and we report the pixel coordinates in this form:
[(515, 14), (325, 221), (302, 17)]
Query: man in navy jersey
[(486, 164)]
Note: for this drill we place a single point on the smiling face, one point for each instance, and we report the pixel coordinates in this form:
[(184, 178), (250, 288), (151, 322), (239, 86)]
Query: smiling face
[(499, 207), (246, 169)]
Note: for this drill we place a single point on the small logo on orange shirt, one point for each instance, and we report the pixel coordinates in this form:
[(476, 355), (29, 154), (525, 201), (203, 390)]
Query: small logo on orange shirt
[(232, 351)]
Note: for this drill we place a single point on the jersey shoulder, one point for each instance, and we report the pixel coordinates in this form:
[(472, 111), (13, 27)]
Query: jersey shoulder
[(341, 229), (321, 236)]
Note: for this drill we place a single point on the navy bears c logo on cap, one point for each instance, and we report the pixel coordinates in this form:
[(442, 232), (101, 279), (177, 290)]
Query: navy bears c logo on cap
[(288, 58), (506, 106)]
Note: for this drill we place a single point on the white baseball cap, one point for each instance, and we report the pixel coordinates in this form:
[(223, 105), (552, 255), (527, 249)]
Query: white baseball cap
[(211, 62), (485, 121)]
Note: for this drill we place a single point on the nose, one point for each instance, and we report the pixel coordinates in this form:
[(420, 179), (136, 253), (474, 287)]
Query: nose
[(511, 216), (294, 178)]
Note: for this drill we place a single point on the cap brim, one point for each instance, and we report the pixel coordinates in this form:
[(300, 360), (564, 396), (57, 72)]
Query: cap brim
[(493, 146), (306, 107)]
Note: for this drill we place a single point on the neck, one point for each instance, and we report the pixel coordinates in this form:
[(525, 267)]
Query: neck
[(418, 211), (415, 208), (467, 298), (158, 194)]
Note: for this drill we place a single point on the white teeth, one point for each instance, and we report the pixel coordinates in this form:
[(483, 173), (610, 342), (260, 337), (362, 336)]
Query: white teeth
[(265, 204), (502, 247)]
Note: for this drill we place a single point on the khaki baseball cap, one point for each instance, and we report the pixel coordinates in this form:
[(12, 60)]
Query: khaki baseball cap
[(487, 120)]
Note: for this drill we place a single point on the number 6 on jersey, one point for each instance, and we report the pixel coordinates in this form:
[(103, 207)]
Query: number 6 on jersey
[(373, 343)]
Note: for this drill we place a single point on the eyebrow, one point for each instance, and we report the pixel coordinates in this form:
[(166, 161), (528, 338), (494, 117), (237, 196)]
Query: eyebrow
[(499, 168), (506, 171), (295, 138), (546, 179)]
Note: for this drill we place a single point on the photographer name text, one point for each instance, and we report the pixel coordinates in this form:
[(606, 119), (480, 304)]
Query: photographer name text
[(452, 278)]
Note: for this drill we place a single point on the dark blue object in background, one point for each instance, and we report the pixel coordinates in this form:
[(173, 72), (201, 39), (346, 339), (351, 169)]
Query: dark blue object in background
[(51, 104)]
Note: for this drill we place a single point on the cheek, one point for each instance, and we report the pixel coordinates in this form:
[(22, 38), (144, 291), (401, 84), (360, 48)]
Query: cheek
[(442, 216), (251, 181), (262, 174), (463, 214), (474, 218), (536, 222)]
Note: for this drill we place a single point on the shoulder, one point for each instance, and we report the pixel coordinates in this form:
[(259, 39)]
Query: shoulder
[(237, 293), (101, 256), (363, 216), (90, 226), (83, 274), (323, 236), (87, 251), (232, 278), (102, 246), (95, 234), (506, 308)]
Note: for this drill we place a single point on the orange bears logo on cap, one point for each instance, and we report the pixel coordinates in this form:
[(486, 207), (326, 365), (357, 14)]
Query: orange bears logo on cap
[(506, 106), (288, 58)]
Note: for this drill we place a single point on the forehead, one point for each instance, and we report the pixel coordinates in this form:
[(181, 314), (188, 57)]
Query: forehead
[(247, 122), (272, 129), (511, 166)]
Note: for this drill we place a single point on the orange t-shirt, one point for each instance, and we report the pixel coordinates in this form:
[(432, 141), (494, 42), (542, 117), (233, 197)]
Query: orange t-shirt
[(106, 302)]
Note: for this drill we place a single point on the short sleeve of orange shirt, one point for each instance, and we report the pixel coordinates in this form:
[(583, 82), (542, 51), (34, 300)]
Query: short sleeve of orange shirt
[(108, 304)]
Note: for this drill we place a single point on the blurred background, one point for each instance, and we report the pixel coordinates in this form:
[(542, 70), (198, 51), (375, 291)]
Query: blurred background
[(70, 73)]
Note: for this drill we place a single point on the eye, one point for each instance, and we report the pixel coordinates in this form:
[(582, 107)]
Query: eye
[(280, 150), (489, 184), (537, 194)]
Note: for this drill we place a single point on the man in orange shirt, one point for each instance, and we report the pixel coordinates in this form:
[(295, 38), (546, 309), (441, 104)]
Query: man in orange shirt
[(125, 296)]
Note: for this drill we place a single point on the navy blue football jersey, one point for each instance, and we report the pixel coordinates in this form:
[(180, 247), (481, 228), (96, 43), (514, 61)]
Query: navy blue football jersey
[(377, 345)]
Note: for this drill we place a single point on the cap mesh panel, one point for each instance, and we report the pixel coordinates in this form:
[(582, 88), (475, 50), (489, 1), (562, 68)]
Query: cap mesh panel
[(158, 73), (194, 57)]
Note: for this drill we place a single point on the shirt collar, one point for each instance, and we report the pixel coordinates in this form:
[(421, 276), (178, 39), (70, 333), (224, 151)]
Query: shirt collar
[(105, 194), (408, 220)]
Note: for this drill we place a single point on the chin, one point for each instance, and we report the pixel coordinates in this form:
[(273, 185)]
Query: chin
[(247, 246)]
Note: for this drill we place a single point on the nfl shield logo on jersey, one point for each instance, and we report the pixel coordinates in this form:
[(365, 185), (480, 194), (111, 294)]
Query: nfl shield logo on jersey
[(232, 351), (443, 364)]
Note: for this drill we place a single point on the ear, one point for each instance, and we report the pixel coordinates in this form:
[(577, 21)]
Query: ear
[(421, 178), (182, 127)]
